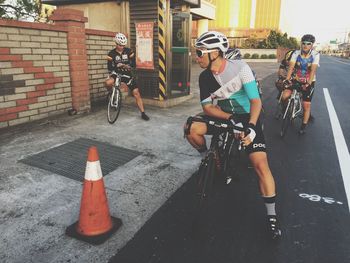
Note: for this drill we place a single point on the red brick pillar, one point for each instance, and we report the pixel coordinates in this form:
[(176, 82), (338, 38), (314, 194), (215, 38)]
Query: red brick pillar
[(74, 21)]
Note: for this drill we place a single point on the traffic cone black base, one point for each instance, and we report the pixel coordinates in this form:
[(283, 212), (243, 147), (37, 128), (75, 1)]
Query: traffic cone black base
[(94, 240)]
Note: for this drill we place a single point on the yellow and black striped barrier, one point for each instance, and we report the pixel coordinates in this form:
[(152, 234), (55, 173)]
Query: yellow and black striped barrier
[(161, 50)]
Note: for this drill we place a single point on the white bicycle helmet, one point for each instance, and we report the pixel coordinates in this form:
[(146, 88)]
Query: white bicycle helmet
[(212, 40), (233, 53), (120, 39)]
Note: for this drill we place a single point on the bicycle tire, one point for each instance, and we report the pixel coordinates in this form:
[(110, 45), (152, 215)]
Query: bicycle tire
[(286, 121), (204, 185), (233, 161), (278, 112), (262, 117), (114, 106)]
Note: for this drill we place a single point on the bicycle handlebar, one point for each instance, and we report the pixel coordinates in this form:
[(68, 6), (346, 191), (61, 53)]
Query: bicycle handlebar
[(296, 84), (113, 73), (220, 124)]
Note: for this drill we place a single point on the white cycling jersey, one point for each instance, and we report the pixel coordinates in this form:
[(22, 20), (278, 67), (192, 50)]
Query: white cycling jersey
[(303, 64)]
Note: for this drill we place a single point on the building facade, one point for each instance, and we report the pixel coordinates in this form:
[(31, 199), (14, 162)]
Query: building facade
[(267, 14), (242, 19)]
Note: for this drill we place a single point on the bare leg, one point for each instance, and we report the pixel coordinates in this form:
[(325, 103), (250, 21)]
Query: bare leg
[(268, 191), (261, 166), (285, 95), (307, 111), (109, 83), (138, 99), (196, 135)]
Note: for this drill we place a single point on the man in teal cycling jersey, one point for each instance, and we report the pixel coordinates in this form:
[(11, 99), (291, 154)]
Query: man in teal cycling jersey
[(228, 91)]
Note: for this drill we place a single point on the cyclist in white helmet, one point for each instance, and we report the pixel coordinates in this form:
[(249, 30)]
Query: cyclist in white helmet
[(121, 60), (231, 84)]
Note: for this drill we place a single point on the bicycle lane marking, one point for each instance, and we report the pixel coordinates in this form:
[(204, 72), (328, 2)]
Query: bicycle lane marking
[(340, 144)]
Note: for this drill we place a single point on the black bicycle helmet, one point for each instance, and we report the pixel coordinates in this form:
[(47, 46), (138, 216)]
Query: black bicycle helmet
[(309, 38)]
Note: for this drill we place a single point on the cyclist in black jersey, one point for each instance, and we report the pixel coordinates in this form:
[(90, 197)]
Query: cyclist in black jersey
[(121, 60), (282, 71), (231, 84)]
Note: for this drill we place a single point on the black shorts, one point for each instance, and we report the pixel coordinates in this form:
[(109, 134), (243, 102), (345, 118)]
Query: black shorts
[(128, 79), (258, 144)]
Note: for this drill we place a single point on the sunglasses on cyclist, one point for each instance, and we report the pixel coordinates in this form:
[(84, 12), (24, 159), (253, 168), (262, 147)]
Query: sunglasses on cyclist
[(306, 43), (200, 53)]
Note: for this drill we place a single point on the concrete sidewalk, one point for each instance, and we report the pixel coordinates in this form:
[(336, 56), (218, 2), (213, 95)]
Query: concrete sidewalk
[(37, 206)]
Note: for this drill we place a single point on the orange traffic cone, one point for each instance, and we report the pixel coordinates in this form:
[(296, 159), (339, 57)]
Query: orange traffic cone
[(95, 224)]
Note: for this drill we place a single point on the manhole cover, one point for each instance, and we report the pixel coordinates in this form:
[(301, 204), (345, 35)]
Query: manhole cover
[(70, 158)]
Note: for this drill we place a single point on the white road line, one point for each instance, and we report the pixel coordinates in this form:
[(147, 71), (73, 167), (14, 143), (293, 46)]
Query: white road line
[(340, 144)]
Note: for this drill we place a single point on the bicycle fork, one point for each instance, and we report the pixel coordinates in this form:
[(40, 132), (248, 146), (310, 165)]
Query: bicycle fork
[(297, 103), (113, 100)]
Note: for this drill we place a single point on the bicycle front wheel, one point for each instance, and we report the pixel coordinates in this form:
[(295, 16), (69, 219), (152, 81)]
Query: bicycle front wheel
[(204, 185), (287, 118), (114, 106)]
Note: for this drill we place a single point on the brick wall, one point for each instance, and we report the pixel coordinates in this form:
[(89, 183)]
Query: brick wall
[(47, 69), (34, 72), (98, 44), (281, 51)]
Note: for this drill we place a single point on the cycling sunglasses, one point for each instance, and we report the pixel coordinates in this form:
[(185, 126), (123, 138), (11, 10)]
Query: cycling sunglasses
[(306, 43), (200, 53)]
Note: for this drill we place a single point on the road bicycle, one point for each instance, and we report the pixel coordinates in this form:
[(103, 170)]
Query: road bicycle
[(293, 109), (222, 159), (114, 99)]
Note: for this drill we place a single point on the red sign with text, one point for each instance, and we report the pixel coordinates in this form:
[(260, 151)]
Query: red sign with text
[(144, 45)]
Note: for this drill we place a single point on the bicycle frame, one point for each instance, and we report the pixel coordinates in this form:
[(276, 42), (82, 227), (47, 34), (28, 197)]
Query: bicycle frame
[(116, 85), (228, 141), (297, 106), (293, 108), (205, 175), (115, 100)]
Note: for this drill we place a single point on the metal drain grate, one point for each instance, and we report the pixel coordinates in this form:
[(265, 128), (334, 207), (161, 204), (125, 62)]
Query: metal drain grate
[(70, 158)]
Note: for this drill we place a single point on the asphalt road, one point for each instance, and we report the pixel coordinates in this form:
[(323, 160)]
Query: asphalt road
[(310, 172), (37, 205)]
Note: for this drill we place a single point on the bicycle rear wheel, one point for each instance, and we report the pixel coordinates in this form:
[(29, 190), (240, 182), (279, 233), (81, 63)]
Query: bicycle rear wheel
[(287, 118), (204, 185), (114, 105)]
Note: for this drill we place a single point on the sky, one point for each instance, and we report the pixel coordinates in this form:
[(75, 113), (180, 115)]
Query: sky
[(326, 20)]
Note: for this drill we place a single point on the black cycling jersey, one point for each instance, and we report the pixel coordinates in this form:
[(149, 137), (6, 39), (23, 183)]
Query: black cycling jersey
[(284, 65), (127, 57)]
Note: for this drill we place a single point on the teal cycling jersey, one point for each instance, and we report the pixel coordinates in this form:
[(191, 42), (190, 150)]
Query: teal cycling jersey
[(233, 88)]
